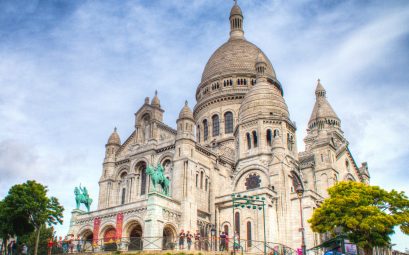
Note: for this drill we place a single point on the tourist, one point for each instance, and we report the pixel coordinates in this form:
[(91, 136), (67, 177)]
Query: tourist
[(198, 245), (222, 241), (227, 241), (79, 244), (236, 241), (189, 239), (24, 249), (71, 243), (182, 236), (65, 245), (49, 245)]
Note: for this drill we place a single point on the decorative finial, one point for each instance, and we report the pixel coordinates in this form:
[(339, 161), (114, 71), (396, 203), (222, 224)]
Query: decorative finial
[(114, 129), (235, 2), (319, 81), (156, 92), (186, 102)]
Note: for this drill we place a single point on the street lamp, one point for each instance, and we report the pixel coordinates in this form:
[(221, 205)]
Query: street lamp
[(251, 202), (300, 192), (213, 240)]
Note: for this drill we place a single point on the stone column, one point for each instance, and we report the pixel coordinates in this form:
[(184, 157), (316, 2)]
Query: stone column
[(154, 223)]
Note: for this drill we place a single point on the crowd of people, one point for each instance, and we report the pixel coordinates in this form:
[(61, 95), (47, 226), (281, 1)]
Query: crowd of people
[(199, 242), (67, 245)]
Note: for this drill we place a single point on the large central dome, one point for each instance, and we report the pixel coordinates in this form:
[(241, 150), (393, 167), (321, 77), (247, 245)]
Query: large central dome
[(236, 56)]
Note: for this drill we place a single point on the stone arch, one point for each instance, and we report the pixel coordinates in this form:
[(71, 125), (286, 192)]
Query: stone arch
[(169, 236), (349, 177), (263, 171), (104, 227), (134, 231), (86, 233), (165, 156), (137, 162)]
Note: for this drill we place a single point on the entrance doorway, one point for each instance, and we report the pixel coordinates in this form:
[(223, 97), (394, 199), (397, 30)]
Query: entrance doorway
[(110, 240), (135, 238), (169, 238)]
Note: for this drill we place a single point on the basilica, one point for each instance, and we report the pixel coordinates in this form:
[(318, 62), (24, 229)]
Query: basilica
[(237, 140)]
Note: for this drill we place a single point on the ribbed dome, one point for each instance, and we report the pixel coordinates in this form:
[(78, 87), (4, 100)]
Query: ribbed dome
[(114, 138), (263, 100), (235, 10), (186, 112), (235, 56)]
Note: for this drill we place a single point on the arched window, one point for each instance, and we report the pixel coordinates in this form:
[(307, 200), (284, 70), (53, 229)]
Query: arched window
[(206, 184), (226, 229), (216, 125), (290, 141), (255, 142), (205, 130), (269, 137), (198, 133), (237, 222), (248, 138), (143, 180), (197, 180), (123, 196), (228, 122), (276, 133), (249, 237), (201, 180)]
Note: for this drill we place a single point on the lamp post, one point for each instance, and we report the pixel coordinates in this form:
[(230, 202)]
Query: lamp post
[(213, 240), (250, 202), (300, 193)]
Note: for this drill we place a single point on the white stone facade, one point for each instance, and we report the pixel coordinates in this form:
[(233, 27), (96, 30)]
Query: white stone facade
[(240, 139)]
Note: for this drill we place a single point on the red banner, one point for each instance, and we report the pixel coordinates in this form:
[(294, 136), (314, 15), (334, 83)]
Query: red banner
[(97, 223), (119, 222)]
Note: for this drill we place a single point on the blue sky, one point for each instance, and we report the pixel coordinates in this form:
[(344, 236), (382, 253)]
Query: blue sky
[(72, 70)]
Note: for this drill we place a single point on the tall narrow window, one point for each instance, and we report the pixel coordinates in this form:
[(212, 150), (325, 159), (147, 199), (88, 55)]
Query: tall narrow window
[(143, 181), (201, 180), (226, 229), (248, 141), (205, 130), (276, 133), (249, 234), (198, 133), (123, 196), (216, 125), (197, 180), (269, 137), (255, 142), (237, 222), (206, 184), (228, 122)]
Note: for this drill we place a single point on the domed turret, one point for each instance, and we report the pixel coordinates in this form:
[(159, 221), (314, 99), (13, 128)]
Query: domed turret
[(236, 22), (155, 100), (114, 138), (186, 112), (322, 114)]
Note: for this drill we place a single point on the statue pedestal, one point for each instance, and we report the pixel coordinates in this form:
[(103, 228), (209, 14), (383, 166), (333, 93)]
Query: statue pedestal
[(74, 215), (154, 221)]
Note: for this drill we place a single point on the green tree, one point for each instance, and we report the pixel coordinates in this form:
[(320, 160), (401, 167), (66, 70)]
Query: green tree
[(28, 202), (366, 214)]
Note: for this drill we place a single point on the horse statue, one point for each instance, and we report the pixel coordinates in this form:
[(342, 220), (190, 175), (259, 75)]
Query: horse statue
[(158, 177), (82, 197)]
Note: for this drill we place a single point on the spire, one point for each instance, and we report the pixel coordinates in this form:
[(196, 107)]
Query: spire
[(322, 114), (236, 22), (186, 112), (155, 100)]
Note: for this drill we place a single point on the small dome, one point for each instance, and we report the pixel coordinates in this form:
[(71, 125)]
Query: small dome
[(263, 100), (186, 112), (235, 10), (114, 138), (155, 100)]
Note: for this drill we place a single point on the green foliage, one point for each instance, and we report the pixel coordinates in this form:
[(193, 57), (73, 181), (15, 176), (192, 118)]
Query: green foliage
[(29, 201), (27, 208), (366, 214), (29, 239)]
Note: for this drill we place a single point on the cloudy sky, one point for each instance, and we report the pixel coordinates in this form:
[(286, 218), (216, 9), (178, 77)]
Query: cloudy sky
[(70, 71)]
